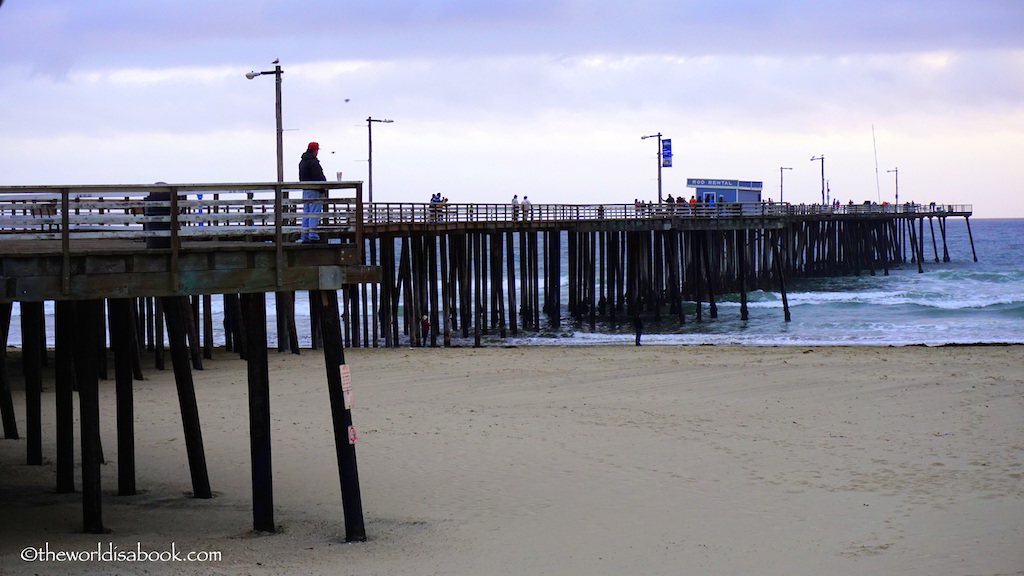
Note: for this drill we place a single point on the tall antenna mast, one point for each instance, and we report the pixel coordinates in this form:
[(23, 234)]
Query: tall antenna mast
[(878, 187)]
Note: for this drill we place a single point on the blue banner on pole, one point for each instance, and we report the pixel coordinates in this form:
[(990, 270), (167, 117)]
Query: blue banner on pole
[(666, 153)]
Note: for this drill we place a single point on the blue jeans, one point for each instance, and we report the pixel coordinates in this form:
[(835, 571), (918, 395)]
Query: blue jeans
[(309, 223)]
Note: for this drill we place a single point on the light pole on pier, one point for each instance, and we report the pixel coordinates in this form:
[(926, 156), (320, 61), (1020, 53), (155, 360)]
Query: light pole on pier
[(781, 168), (369, 159), (658, 136), (277, 72), (897, 171), (822, 158)]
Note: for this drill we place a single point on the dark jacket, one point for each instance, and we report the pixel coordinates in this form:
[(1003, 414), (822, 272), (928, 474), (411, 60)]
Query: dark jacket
[(310, 169)]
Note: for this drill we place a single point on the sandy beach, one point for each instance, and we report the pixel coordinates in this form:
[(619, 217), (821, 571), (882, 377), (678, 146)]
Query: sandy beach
[(570, 461)]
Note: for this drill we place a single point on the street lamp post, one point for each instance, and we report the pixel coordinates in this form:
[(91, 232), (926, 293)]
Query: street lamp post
[(781, 168), (283, 304), (658, 136), (897, 171), (822, 158), (369, 135), (277, 72)]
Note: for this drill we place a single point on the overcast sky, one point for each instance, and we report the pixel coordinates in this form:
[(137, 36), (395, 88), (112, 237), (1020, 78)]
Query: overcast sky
[(546, 98)]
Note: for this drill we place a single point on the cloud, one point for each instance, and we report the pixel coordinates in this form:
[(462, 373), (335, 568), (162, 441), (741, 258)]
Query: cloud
[(491, 98), (54, 36)]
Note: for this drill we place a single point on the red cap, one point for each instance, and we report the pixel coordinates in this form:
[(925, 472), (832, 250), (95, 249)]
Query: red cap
[(313, 146)]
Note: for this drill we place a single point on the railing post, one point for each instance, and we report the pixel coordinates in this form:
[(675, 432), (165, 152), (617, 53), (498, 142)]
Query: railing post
[(175, 242), (279, 234), (65, 240), (359, 222)]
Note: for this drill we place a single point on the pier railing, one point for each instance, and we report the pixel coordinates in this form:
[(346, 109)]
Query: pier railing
[(427, 213), (232, 211), (188, 211)]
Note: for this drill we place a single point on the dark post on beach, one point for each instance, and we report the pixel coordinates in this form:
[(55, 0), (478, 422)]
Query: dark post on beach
[(334, 358)]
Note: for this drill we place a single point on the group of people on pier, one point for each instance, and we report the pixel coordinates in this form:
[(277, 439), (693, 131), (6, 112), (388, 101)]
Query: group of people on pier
[(526, 206), (437, 205), (681, 206)]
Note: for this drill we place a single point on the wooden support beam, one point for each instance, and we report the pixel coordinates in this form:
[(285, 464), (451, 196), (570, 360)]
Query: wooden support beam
[(696, 238), (284, 305), (945, 246), (935, 248), (374, 310), (435, 316), (233, 304), (465, 301), (6, 400), (446, 292), (150, 314), (341, 416), (139, 338), (86, 374), (970, 236), (158, 342), (709, 275), (476, 252), (32, 362), (352, 311), (483, 293), (591, 270), (497, 297), (65, 339), (524, 272), (782, 282), (405, 286), (208, 344), (255, 309), (192, 331), (387, 265), (122, 334), (741, 249), (573, 249), (174, 313), (510, 271), (535, 269)]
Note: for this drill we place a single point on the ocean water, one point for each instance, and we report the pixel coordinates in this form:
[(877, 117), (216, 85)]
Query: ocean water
[(956, 302)]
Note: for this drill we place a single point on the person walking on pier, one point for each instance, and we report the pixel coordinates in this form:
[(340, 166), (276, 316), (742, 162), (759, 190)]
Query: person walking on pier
[(311, 171)]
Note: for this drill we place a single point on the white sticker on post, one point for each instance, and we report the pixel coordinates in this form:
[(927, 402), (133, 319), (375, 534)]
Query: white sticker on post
[(346, 386)]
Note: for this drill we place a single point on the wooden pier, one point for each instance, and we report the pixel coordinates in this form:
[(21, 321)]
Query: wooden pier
[(145, 262), (497, 269)]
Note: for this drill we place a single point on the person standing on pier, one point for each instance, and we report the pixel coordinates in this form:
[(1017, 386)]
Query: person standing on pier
[(515, 207), (527, 207), (311, 171)]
